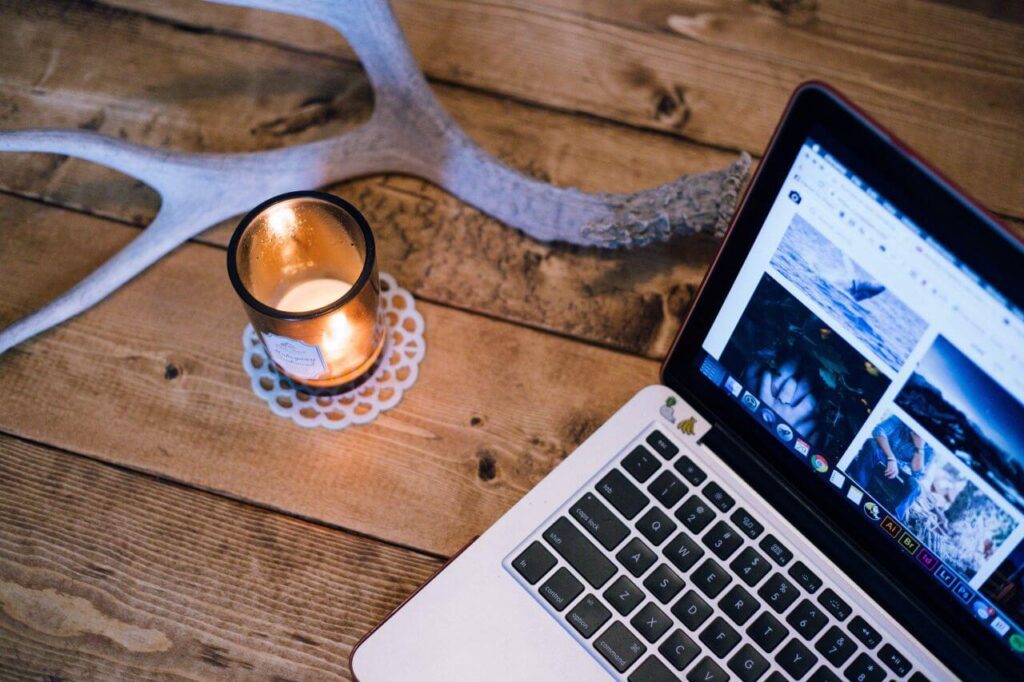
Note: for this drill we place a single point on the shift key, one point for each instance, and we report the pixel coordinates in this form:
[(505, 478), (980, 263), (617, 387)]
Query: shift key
[(580, 552)]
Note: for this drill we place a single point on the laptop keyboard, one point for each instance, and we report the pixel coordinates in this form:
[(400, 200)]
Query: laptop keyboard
[(662, 574)]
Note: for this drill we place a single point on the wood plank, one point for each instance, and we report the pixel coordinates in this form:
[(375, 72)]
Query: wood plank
[(438, 247), (865, 38), (107, 574), (1004, 10), (152, 379), (949, 81)]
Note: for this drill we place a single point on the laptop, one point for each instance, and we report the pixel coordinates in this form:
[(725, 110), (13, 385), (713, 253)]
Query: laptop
[(828, 484)]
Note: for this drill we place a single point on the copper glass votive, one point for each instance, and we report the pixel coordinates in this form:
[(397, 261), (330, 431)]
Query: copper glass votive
[(305, 266)]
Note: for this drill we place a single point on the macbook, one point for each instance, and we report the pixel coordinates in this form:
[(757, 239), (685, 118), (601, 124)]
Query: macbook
[(828, 483)]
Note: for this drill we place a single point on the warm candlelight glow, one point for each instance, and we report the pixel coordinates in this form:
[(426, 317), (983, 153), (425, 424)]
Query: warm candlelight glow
[(312, 295), (337, 336), (304, 264)]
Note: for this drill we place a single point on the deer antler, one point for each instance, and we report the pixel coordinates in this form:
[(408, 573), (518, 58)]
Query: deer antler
[(408, 132)]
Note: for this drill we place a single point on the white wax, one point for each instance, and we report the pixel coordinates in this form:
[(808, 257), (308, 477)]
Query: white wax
[(312, 294)]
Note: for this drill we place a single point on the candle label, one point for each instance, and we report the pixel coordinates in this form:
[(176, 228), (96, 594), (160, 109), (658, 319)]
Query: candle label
[(296, 358)]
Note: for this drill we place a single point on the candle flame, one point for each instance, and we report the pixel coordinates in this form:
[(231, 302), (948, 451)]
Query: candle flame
[(338, 334)]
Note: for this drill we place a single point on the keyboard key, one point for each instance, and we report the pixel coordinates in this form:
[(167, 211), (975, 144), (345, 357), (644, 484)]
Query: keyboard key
[(722, 540), (652, 670), (807, 618), (834, 604), (778, 593), (560, 589), (679, 650), (662, 445), (656, 526), (796, 659), (534, 562), (720, 637), (776, 550), (918, 676), (690, 471), (651, 622), (691, 610), (776, 676), (748, 664), (580, 552), (746, 523), (597, 520), (750, 566), (823, 674), (623, 595), (836, 646), (894, 660), (640, 463), (668, 489), (683, 552), (636, 557), (664, 584), (588, 616), (695, 514), (622, 494), (738, 604), (710, 578), (619, 647), (804, 577), (867, 635), (863, 669), (718, 497), (767, 632), (707, 671)]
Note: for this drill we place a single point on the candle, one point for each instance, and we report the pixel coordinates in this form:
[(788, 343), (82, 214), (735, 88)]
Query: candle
[(312, 295), (304, 265)]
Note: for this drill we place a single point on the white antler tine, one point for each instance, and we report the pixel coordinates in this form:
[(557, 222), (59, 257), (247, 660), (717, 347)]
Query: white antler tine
[(153, 243), (152, 166)]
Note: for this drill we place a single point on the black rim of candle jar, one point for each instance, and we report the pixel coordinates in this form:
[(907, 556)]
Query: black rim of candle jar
[(269, 311)]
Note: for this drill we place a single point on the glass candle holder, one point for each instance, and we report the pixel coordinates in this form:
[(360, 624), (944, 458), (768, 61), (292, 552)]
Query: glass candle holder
[(304, 264)]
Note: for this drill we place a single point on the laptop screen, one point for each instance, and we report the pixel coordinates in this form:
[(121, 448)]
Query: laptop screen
[(893, 371)]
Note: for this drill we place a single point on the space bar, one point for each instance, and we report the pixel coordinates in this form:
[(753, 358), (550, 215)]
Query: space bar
[(581, 554)]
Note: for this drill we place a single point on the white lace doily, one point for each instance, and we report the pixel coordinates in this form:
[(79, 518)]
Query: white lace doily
[(404, 347)]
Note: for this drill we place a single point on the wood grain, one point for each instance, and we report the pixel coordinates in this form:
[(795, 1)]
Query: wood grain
[(152, 379), (107, 574), (438, 247), (949, 81), (864, 39)]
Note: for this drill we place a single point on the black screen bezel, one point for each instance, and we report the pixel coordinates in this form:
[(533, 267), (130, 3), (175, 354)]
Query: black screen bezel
[(961, 227)]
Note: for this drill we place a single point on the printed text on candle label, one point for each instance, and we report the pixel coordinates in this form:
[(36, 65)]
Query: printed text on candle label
[(299, 359)]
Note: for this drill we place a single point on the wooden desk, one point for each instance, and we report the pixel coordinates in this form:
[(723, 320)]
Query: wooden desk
[(156, 520)]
